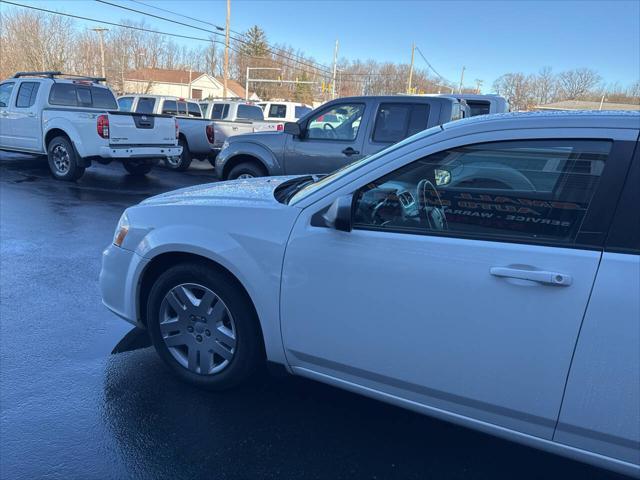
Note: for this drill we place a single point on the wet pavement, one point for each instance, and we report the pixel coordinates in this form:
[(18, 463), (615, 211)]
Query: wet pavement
[(83, 396)]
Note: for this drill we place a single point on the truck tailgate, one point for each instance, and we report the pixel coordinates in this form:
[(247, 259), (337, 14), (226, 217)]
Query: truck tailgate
[(127, 128)]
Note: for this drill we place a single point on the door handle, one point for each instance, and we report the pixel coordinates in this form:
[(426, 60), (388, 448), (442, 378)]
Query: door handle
[(350, 151), (540, 276)]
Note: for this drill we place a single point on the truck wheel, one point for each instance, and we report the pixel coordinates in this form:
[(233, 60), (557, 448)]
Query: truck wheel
[(137, 167), (63, 160), (204, 327), (181, 163), (246, 170)]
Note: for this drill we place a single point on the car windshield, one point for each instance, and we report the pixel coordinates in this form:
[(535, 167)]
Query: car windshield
[(332, 177)]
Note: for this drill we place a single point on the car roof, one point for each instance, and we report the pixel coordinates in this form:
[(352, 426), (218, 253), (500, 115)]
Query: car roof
[(549, 119), (396, 98)]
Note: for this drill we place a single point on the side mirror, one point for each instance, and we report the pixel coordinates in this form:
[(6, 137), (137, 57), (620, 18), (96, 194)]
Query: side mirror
[(339, 214), (292, 128)]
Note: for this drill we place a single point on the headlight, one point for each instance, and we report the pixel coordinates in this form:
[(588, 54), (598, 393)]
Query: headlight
[(121, 230), (225, 144)]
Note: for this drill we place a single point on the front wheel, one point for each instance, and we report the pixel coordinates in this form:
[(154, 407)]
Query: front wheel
[(63, 160), (204, 327), (137, 167), (246, 170), (182, 162)]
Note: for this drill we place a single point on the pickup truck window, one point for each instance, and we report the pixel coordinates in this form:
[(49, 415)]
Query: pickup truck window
[(5, 93), (27, 94), (250, 112), (68, 94), (63, 94), (478, 107), (395, 121), (536, 190), (146, 105), (340, 122), (84, 97), (277, 110), (194, 110), (125, 103), (219, 111), (301, 111), (170, 107), (182, 108)]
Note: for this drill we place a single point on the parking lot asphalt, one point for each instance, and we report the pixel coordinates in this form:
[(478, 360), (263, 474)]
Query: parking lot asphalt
[(70, 408)]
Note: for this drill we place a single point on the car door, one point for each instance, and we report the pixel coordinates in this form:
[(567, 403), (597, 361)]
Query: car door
[(477, 315), (6, 124), (331, 139), (27, 124)]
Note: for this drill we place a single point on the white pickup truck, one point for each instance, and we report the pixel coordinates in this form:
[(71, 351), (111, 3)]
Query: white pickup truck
[(75, 120), (235, 117)]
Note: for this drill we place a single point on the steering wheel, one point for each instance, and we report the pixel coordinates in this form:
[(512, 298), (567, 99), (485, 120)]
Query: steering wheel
[(331, 129), (432, 215)]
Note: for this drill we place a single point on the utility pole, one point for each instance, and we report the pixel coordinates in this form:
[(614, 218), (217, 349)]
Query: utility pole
[(335, 67), (478, 85), (413, 49), (461, 80), (226, 51), (100, 31)]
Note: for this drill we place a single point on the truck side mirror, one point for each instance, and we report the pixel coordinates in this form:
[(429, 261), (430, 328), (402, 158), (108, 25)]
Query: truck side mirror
[(340, 214), (292, 128)]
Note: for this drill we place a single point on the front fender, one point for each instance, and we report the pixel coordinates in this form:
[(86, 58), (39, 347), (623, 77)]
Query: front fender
[(261, 153), (258, 274)]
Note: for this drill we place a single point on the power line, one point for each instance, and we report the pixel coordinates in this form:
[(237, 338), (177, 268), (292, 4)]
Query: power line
[(431, 66), (279, 54)]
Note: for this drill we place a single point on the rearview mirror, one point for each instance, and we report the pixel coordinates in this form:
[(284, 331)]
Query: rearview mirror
[(339, 214), (292, 128)]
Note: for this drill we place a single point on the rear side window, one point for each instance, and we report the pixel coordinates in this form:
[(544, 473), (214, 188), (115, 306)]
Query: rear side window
[(146, 105), (125, 103), (535, 190), (478, 107), (250, 112), (219, 111), (27, 94), (301, 111), (396, 121), (170, 107), (63, 94), (194, 110), (103, 98), (5, 93), (277, 110)]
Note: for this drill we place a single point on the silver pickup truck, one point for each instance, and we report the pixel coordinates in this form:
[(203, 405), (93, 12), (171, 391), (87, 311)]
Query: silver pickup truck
[(334, 135), (195, 134), (236, 117)]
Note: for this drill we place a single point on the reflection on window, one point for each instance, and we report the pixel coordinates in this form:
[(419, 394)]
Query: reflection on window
[(340, 122)]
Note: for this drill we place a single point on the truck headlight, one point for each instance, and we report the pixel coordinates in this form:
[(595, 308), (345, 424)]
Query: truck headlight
[(121, 230)]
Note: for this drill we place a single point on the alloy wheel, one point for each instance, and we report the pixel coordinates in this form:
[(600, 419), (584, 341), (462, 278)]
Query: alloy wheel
[(61, 159)]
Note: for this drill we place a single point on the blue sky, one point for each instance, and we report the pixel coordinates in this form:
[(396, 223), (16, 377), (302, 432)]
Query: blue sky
[(488, 37)]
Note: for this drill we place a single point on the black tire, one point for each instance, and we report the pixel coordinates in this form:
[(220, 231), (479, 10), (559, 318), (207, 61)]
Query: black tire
[(249, 352), (184, 160), (212, 161), (137, 167), (246, 170), (63, 160)]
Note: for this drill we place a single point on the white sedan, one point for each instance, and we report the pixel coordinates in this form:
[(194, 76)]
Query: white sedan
[(486, 272)]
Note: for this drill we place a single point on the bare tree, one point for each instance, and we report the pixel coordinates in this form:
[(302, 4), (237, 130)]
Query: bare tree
[(577, 83), (516, 88)]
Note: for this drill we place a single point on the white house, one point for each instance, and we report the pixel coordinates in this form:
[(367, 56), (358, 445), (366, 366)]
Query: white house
[(181, 83)]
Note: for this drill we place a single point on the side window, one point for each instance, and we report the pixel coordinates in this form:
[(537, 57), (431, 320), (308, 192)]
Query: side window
[(277, 110), (84, 97), (250, 112), (478, 107), (146, 105), (125, 103), (27, 94), (340, 122), (537, 190), (194, 110), (5, 93), (396, 121), (63, 94), (103, 98), (170, 107), (216, 112)]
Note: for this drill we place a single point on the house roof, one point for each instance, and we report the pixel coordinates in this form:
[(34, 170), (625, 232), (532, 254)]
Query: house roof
[(584, 105), (180, 77)]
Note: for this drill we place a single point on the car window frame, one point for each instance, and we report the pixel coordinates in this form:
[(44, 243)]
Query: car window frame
[(307, 122), (595, 224)]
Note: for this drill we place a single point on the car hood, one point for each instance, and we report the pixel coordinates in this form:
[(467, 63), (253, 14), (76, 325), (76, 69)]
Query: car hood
[(253, 190)]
